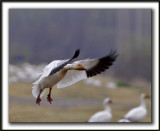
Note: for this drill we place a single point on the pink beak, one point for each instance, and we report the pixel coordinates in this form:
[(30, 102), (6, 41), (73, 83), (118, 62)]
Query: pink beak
[(84, 68)]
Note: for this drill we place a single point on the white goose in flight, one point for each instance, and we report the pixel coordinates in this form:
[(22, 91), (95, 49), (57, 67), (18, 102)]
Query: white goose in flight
[(105, 115), (138, 113), (63, 74)]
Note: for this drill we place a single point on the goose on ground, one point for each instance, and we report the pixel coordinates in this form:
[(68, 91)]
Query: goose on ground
[(123, 120), (64, 74), (105, 115), (138, 113)]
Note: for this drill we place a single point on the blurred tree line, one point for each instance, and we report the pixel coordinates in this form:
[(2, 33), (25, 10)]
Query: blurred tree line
[(42, 35)]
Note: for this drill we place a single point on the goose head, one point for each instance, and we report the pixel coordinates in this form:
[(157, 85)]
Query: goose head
[(107, 101), (145, 96), (106, 104), (77, 67)]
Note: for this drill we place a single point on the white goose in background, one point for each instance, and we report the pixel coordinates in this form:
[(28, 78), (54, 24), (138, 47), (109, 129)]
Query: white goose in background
[(105, 115), (138, 113), (123, 120), (63, 74)]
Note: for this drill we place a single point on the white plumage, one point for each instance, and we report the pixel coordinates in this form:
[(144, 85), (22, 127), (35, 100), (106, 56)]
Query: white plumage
[(103, 116), (63, 74), (123, 120), (71, 77), (138, 113)]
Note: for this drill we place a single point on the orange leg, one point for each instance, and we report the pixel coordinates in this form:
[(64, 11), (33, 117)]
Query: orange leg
[(49, 96), (38, 98)]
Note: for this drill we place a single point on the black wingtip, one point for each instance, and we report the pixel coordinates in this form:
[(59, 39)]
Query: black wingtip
[(76, 54), (113, 54)]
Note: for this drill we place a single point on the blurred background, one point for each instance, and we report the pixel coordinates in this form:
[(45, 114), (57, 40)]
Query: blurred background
[(39, 36)]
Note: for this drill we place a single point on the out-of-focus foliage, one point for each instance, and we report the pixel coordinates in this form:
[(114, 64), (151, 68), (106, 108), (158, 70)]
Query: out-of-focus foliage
[(42, 35)]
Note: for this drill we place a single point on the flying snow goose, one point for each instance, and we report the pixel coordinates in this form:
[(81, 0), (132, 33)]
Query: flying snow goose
[(138, 113), (103, 116), (63, 74)]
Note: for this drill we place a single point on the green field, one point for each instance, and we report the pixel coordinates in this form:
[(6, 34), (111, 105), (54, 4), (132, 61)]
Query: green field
[(75, 103)]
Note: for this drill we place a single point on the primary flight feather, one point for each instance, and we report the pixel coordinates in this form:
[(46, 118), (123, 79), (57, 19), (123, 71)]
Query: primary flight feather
[(64, 73)]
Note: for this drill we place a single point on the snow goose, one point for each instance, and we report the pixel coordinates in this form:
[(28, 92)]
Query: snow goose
[(63, 74), (103, 116), (123, 120), (138, 113)]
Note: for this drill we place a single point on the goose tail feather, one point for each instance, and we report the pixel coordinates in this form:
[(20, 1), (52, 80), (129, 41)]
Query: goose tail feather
[(36, 90)]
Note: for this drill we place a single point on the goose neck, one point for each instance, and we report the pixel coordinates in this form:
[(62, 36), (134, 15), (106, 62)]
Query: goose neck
[(143, 103)]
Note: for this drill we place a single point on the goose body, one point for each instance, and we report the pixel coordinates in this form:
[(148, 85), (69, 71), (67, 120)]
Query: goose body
[(138, 113), (63, 73), (103, 116), (123, 120)]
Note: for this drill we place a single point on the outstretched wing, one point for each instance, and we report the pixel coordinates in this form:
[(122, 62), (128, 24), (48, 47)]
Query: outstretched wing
[(55, 66), (93, 67), (96, 66), (47, 69), (58, 68), (71, 77)]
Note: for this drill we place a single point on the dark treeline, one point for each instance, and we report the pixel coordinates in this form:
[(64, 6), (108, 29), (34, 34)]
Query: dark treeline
[(42, 35)]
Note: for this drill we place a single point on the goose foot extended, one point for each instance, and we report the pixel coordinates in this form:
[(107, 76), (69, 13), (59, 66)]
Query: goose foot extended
[(49, 99), (38, 100)]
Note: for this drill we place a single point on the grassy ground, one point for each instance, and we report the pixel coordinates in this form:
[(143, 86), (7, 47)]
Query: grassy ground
[(124, 98)]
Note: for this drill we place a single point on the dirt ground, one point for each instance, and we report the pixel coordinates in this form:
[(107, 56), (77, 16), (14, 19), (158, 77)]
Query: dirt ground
[(73, 104)]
